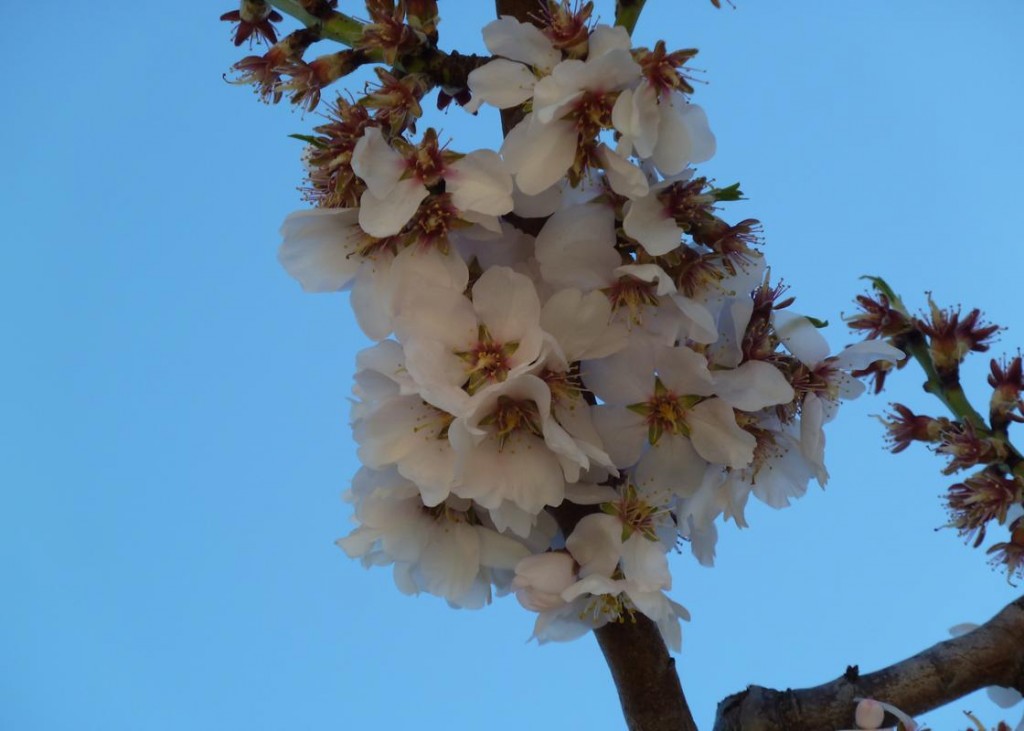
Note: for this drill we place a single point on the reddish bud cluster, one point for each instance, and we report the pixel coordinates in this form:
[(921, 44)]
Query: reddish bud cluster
[(1007, 381), (255, 19), (966, 448), (387, 31), (979, 499), (878, 318), (567, 26), (1010, 554), (951, 338), (264, 72), (307, 80), (661, 69), (904, 427), (397, 100), (329, 157)]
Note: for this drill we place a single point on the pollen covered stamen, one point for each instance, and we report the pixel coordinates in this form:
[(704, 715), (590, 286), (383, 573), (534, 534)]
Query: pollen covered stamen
[(665, 412), (487, 361), (511, 416), (633, 295)]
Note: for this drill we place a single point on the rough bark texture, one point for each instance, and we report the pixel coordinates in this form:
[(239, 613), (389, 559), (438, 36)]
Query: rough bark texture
[(993, 654)]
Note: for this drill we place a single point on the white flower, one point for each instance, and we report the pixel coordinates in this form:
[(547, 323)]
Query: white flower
[(508, 81), (455, 346), (320, 248), (478, 183), (440, 551)]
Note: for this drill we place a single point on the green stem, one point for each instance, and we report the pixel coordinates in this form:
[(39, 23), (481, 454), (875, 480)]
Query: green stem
[(627, 13), (336, 27), (949, 392)]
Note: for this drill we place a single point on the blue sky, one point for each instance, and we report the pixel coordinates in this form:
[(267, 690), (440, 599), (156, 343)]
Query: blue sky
[(175, 438)]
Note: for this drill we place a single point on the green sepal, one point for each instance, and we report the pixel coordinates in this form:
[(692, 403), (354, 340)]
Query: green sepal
[(728, 193), (309, 139)]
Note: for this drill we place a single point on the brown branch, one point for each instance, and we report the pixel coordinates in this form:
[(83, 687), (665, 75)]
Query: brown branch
[(645, 675), (993, 654)]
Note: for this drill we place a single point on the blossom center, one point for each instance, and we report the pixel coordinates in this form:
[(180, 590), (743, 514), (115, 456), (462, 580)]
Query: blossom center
[(487, 361), (511, 416)]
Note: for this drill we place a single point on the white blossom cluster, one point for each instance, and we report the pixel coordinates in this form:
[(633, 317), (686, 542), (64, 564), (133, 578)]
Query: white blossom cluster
[(578, 364)]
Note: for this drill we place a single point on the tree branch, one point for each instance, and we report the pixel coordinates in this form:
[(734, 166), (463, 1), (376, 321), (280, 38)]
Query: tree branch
[(993, 654), (645, 675)]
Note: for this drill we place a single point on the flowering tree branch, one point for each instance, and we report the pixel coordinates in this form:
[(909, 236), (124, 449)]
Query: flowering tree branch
[(989, 655), (550, 407)]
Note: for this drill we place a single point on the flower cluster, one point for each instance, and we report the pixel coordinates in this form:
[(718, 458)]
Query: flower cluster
[(578, 363)]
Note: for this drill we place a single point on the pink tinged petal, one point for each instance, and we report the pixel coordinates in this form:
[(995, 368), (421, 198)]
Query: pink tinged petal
[(596, 544), (700, 323), (501, 84), (437, 313), (539, 154), (416, 268), (548, 572), (498, 551), (386, 216), (596, 585), (636, 115), (703, 540), (506, 303), (523, 471), (518, 41), (800, 337), (624, 177), (752, 386), (404, 581), (647, 221), (371, 299), (479, 182), (716, 436), (733, 321), (451, 562), (510, 518), (359, 542), (684, 371), (606, 38), (812, 436), (649, 273), (580, 324), (623, 433), (611, 71), (408, 543), (318, 248), (576, 247), (669, 468), (432, 469), (644, 564), (576, 420), (390, 432), (683, 136), (787, 478), (377, 163), (869, 714), (909, 723), (477, 597), (624, 378), (861, 355), (540, 205)]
